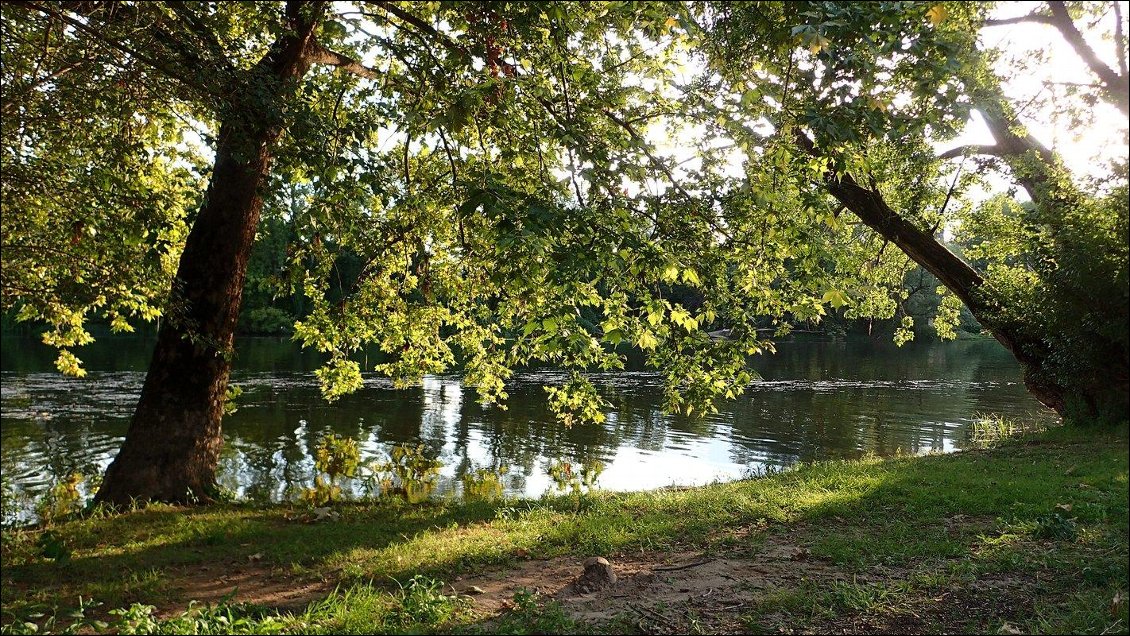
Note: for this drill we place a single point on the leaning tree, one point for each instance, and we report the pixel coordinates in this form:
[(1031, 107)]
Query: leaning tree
[(856, 97)]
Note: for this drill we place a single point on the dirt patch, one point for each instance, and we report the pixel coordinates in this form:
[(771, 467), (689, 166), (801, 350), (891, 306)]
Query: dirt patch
[(658, 593), (258, 583)]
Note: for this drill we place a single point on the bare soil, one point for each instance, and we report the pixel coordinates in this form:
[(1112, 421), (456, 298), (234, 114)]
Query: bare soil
[(666, 592), (251, 582), (659, 592)]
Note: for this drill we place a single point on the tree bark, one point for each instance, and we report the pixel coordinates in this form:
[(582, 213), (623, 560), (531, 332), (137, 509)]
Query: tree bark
[(1116, 86), (172, 447)]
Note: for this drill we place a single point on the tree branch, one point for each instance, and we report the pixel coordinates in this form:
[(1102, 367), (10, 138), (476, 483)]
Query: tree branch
[(1119, 39), (1117, 86), (643, 146), (1011, 141), (321, 55), (1079, 84), (155, 64), (14, 97), (219, 54), (655, 161), (1031, 18), (918, 244), (972, 149), (420, 25)]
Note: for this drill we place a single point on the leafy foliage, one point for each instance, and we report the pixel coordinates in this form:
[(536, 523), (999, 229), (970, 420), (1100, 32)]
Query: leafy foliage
[(1066, 277), (409, 473), (584, 478), (483, 484)]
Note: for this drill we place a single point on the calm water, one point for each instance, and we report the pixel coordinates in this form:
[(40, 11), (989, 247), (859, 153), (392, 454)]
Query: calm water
[(817, 400)]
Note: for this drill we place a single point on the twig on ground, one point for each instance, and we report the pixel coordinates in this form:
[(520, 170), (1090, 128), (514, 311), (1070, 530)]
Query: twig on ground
[(683, 567)]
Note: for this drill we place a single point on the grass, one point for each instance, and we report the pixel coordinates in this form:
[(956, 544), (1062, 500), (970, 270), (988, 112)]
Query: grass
[(990, 430), (1028, 534)]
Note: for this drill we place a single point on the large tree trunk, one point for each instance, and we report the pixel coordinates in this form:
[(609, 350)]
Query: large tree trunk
[(172, 448)]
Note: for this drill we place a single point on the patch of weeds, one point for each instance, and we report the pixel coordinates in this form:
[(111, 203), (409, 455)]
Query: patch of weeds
[(419, 606), (781, 610), (422, 602), (1055, 527), (761, 471), (55, 621), (51, 546), (360, 609), (483, 484), (223, 618), (582, 479), (530, 616), (991, 430), (144, 584), (408, 474), (896, 544), (865, 597), (1098, 572), (19, 547), (64, 499), (515, 511), (334, 459), (1099, 610)]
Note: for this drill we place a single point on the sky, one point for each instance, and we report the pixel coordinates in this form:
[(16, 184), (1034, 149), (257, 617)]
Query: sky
[(1084, 148)]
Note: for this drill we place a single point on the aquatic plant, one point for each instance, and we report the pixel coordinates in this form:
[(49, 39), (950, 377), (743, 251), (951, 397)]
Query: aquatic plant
[(335, 458)]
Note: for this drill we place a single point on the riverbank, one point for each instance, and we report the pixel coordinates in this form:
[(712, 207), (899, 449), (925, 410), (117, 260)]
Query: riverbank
[(1029, 536)]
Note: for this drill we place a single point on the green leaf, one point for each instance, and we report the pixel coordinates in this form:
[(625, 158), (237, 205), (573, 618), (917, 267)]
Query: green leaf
[(836, 297), (682, 317), (646, 340)]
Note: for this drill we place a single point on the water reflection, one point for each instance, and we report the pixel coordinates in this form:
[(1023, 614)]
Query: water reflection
[(817, 400)]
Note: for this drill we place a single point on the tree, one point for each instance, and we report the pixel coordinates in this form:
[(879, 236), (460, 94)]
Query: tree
[(173, 444), (864, 90), (492, 215)]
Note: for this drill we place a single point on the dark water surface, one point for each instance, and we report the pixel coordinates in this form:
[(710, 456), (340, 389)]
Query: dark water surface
[(817, 400)]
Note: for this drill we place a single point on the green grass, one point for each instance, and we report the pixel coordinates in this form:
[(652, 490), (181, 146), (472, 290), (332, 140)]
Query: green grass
[(1046, 514)]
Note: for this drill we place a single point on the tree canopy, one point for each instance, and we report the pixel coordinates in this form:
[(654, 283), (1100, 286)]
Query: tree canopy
[(492, 185)]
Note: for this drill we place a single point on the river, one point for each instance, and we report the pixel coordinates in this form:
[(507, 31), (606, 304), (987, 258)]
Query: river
[(816, 400)]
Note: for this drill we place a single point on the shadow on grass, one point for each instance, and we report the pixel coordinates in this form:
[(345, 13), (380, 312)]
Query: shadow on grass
[(984, 509)]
